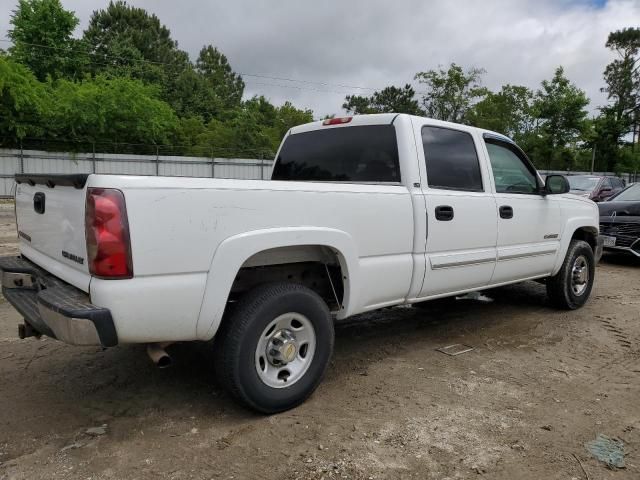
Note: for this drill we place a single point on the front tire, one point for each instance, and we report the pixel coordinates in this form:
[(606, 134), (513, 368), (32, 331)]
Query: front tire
[(570, 288), (273, 351)]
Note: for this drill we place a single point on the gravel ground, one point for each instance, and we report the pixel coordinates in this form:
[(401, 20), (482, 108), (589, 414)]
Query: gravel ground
[(538, 385)]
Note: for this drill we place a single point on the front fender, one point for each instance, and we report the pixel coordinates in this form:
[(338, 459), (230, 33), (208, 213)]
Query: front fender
[(234, 251), (571, 226)]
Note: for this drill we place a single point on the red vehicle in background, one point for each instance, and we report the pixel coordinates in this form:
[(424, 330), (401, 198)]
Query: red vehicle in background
[(595, 187)]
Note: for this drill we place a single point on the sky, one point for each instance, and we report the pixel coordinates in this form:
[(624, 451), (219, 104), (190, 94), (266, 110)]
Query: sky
[(344, 44)]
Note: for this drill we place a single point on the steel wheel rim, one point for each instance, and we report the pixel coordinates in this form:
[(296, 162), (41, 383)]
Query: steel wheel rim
[(285, 350), (579, 275)]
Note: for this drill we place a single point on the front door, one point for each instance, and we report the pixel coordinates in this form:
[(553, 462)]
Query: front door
[(461, 212), (529, 224)]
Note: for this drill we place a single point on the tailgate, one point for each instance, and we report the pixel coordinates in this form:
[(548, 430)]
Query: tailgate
[(50, 219)]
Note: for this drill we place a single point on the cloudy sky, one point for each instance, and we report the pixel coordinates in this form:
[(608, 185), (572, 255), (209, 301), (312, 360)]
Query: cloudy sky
[(344, 44)]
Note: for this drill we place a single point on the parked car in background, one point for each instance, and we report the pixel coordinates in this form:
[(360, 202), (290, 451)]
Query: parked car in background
[(595, 187), (620, 220)]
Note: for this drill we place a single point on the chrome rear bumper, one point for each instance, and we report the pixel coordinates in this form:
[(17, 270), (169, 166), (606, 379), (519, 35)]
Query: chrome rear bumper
[(54, 308)]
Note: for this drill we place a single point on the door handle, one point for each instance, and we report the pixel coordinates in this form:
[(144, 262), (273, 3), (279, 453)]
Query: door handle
[(506, 212), (444, 213)]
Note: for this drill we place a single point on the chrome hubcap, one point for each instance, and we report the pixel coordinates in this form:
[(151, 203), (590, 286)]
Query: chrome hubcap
[(579, 275), (285, 350), (282, 348)]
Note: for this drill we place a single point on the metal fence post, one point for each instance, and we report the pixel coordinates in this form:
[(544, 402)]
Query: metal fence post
[(213, 165), (261, 166), (21, 158), (93, 157), (157, 160)]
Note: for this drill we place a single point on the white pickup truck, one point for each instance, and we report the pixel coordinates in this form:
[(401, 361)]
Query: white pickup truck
[(361, 213)]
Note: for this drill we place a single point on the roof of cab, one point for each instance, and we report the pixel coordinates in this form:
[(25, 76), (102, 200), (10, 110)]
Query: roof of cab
[(388, 118)]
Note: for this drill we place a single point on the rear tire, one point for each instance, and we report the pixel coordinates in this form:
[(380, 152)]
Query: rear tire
[(570, 288), (274, 349)]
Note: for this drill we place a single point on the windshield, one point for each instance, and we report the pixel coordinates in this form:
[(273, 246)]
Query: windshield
[(631, 194), (583, 183)]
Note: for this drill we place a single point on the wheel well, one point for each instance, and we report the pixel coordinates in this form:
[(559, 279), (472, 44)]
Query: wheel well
[(588, 234), (315, 266)]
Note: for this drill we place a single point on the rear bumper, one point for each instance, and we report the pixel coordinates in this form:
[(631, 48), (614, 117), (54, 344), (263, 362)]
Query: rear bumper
[(53, 307)]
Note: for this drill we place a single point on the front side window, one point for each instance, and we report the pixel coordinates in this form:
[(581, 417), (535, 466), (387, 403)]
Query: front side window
[(510, 172), (451, 159), (617, 182), (344, 154)]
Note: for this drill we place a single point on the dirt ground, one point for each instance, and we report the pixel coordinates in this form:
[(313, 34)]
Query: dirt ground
[(539, 384)]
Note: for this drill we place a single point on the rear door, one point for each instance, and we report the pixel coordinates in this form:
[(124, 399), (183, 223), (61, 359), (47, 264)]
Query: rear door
[(50, 219), (461, 211), (529, 224)]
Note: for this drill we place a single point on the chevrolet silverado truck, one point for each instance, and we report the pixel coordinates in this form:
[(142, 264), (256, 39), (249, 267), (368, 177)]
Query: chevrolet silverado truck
[(360, 213)]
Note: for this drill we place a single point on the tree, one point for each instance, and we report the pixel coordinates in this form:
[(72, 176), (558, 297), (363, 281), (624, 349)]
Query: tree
[(450, 93), (42, 41), (190, 95), (106, 109), (226, 85), (622, 115), (120, 24), (22, 102), (509, 111), (128, 41), (288, 116), (389, 100), (623, 76), (254, 129), (559, 109)]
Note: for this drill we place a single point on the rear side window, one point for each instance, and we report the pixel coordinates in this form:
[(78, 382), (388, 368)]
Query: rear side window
[(347, 154), (451, 159)]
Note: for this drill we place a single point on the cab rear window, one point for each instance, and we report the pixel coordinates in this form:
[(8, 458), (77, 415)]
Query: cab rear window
[(345, 154)]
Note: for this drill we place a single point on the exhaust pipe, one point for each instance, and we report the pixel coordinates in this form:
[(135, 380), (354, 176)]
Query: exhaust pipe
[(159, 355)]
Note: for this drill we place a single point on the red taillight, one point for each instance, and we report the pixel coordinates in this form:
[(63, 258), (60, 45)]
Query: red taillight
[(337, 121), (107, 233)]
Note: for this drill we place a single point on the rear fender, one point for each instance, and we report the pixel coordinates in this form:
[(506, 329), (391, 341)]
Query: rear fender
[(233, 252)]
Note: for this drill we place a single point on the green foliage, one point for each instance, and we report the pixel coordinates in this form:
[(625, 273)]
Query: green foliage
[(508, 111), (623, 77), (226, 85), (389, 100), (42, 41), (254, 129), (122, 110), (121, 30), (450, 93), (22, 102), (287, 117), (559, 108), (190, 95), (628, 159), (622, 115)]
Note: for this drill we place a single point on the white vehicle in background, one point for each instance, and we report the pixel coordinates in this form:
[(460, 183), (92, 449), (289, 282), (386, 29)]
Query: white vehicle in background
[(361, 213)]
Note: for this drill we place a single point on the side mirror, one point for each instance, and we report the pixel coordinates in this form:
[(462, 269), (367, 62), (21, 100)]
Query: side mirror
[(556, 184)]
